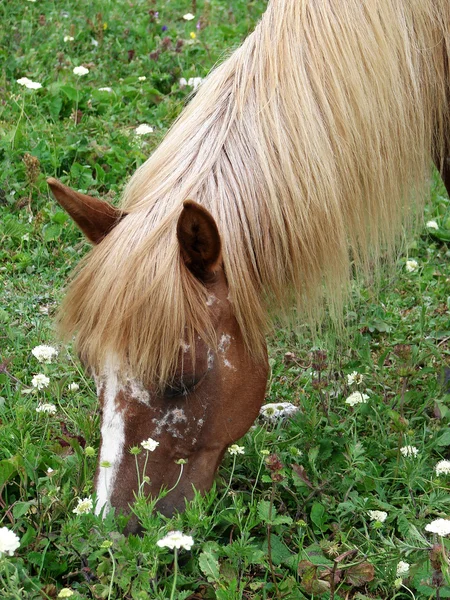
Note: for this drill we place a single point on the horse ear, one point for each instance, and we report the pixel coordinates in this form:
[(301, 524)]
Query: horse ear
[(94, 217), (199, 239)]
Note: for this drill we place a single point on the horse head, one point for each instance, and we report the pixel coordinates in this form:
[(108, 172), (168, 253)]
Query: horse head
[(209, 402)]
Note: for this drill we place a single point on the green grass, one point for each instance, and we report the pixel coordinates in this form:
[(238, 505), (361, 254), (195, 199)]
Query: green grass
[(290, 515)]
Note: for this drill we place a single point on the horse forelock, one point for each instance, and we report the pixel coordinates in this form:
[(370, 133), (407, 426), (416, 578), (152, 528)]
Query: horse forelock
[(306, 146)]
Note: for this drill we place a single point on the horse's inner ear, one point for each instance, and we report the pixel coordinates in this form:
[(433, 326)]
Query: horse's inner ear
[(199, 239), (94, 217)]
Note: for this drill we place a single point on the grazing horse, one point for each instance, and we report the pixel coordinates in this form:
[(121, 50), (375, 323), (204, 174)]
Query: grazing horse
[(299, 158)]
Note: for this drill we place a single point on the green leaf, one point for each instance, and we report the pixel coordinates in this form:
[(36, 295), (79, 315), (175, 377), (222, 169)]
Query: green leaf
[(7, 470), (69, 91), (318, 515), (60, 217), (279, 551), (51, 232), (20, 509), (210, 566), (444, 439)]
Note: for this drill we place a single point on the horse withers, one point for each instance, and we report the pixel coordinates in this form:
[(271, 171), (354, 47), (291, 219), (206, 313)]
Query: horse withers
[(299, 160)]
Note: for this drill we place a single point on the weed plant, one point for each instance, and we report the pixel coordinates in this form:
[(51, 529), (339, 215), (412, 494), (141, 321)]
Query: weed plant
[(331, 503)]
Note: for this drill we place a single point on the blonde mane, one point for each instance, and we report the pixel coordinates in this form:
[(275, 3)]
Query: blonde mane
[(310, 146)]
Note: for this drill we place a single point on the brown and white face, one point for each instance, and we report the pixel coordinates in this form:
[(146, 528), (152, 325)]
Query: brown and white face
[(210, 402)]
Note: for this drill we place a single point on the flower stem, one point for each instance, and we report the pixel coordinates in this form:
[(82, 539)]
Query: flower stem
[(113, 573), (175, 574)]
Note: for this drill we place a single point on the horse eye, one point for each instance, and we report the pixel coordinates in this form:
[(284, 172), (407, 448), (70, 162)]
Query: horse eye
[(182, 387), (175, 389)]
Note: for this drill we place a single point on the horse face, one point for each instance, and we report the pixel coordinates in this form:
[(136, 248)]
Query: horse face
[(211, 401)]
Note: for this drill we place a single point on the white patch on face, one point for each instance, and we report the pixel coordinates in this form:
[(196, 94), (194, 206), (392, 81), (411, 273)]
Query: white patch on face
[(138, 392), (113, 440), (210, 359), (210, 300), (228, 364), (224, 343), (185, 347), (170, 421)]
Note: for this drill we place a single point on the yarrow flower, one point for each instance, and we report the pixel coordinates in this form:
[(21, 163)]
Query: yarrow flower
[(73, 387), (432, 225), (439, 526), (357, 398), (402, 568), (28, 83), (409, 451), (65, 593), (377, 515), (80, 71), (277, 411), (143, 129), (236, 449), (46, 408), (44, 354), (150, 445), (9, 541), (443, 467), (176, 539), (188, 17), (84, 506), (40, 381), (354, 377), (411, 265), (192, 82)]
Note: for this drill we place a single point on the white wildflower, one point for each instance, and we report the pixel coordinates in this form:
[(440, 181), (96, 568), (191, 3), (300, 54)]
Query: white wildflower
[(84, 506), (94, 42), (354, 377), (188, 17), (236, 449), (80, 71), (150, 444), (40, 381), (183, 82), (50, 471), (143, 129), (357, 398), (411, 265), (439, 526), (73, 387), (28, 83), (176, 539), (432, 225), (194, 82), (377, 515), (409, 451), (68, 38), (46, 408), (276, 411), (142, 78), (65, 593), (443, 467), (402, 568), (105, 89), (9, 541), (44, 354)]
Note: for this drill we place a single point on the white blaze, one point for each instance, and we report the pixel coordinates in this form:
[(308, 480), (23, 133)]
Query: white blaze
[(113, 441)]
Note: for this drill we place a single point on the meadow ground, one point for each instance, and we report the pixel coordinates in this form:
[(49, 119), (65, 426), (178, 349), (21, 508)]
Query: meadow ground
[(333, 503)]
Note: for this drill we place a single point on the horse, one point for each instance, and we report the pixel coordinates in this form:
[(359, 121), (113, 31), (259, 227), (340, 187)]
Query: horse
[(297, 162)]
